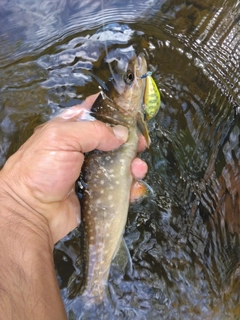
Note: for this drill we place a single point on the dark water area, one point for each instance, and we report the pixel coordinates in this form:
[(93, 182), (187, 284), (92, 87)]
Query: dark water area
[(183, 240)]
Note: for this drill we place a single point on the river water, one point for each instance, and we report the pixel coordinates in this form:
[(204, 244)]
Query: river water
[(184, 239)]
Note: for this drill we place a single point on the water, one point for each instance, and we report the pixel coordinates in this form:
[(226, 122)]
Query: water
[(184, 241)]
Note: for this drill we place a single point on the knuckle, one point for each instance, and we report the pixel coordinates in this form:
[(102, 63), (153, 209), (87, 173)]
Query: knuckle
[(52, 132), (99, 128)]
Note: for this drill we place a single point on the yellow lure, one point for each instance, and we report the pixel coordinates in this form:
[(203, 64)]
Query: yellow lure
[(152, 98)]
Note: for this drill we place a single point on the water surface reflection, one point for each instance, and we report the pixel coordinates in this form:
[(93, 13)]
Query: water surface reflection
[(184, 241)]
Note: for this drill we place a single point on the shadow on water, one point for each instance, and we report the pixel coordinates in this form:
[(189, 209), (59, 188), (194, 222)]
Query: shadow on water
[(184, 240)]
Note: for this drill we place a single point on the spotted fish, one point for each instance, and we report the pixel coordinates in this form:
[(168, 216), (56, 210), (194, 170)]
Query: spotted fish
[(107, 176)]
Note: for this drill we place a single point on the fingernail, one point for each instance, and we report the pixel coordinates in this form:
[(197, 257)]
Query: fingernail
[(121, 132)]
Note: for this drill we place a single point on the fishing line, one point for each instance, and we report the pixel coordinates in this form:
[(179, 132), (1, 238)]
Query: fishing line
[(145, 75), (105, 43)]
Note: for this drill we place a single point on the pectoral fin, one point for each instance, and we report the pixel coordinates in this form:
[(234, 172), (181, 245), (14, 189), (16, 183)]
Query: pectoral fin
[(140, 190), (143, 128)]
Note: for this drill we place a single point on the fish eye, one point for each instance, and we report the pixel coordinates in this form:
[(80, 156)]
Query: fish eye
[(129, 77)]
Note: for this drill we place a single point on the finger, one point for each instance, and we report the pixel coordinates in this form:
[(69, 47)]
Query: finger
[(78, 111), (88, 102), (139, 168)]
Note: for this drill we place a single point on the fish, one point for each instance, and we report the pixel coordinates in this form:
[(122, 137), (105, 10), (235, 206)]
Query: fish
[(107, 175)]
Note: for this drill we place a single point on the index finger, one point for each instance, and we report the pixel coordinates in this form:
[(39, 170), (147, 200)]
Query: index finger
[(88, 102), (78, 110)]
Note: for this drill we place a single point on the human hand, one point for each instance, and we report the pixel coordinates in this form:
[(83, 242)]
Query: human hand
[(41, 175)]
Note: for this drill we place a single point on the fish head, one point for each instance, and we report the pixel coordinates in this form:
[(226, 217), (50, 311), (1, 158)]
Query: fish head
[(127, 87)]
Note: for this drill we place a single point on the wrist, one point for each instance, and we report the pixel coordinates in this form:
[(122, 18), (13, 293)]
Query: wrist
[(28, 283), (20, 220)]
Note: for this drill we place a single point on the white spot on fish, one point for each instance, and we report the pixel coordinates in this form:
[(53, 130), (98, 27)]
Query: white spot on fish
[(117, 182), (102, 182), (110, 197)]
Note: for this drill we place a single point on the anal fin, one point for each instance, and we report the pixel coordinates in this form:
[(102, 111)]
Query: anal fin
[(122, 260)]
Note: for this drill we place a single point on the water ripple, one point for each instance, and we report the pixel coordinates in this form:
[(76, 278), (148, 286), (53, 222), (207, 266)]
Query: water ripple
[(184, 240)]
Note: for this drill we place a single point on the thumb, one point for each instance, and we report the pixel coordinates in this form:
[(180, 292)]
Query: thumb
[(97, 135), (84, 136)]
